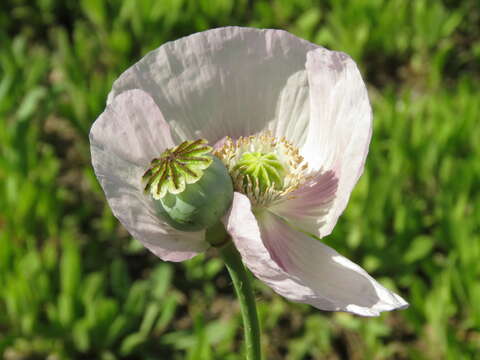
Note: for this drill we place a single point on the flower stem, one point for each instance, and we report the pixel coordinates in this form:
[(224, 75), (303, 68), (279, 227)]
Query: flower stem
[(241, 282)]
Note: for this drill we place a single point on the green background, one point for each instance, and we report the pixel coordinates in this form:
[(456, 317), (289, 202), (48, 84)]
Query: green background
[(74, 285)]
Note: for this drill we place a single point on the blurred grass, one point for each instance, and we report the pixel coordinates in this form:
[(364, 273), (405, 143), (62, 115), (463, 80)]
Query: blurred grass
[(74, 285)]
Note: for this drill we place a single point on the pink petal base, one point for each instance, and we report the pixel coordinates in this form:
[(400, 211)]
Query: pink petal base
[(308, 206)]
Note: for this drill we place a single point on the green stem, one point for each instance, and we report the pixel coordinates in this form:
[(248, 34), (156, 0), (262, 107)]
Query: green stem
[(241, 282)]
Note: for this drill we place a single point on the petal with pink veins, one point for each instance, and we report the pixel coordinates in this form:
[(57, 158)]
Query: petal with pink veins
[(124, 139), (340, 125), (301, 268)]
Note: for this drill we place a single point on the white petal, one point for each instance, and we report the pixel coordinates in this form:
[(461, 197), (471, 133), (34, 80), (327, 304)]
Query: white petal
[(340, 123), (228, 81), (124, 139), (303, 269)]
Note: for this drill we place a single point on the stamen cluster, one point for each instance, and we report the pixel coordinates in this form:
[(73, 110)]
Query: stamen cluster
[(263, 146)]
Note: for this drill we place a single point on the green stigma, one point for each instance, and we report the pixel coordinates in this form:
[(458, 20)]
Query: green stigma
[(264, 169), (176, 168)]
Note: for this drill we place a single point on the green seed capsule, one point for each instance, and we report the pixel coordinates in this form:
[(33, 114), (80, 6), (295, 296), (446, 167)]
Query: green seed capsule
[(192, 189)]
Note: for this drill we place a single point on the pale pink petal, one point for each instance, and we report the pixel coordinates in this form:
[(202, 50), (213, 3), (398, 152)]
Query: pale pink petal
[(340, 124), (308, 206), (227, 81), (303, 269), (124, 139)]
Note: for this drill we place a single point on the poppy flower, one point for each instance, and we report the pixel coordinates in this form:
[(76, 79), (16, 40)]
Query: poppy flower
[(290, 121)]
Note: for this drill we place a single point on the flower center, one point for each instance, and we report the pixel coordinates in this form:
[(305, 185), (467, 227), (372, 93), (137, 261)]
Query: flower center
[(177, 167), (263, 167)]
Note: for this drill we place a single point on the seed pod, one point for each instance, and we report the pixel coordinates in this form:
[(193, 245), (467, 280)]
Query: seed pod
[(192, 188)]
